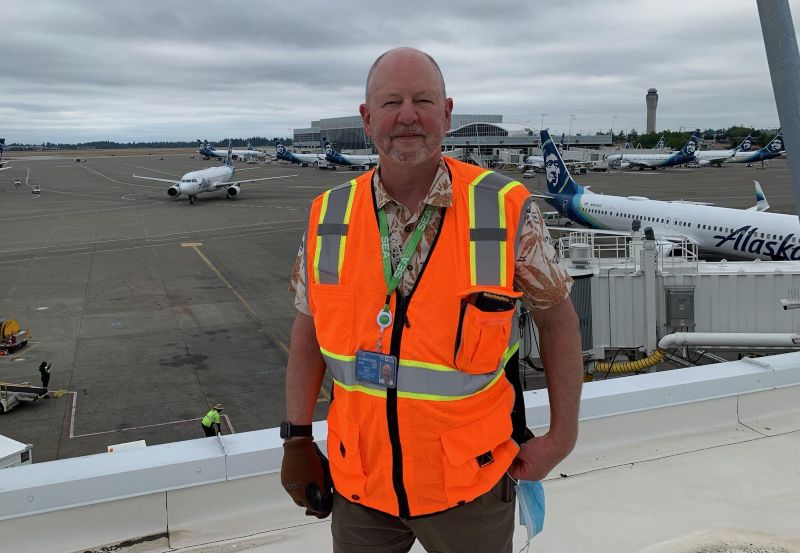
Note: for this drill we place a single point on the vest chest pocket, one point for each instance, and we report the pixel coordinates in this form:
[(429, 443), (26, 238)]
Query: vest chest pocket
[(481, 339), (332, 309)]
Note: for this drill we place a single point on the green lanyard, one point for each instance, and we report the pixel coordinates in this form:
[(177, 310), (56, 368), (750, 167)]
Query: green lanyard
[(393, 279)]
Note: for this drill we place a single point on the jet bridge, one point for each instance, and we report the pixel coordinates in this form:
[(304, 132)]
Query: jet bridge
[(629, 293)]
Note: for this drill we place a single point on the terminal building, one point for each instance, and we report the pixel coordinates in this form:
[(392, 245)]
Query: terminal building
[(484, 136)]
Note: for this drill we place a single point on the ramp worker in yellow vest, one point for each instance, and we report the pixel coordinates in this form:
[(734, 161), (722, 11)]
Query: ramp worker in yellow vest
[(211, 422), (406, 285)]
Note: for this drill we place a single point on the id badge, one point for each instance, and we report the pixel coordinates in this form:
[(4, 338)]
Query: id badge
[(376, 368)]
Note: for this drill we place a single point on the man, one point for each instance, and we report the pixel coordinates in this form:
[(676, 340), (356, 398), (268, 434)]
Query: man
[(211, 422), (44, 372), (417, 265)]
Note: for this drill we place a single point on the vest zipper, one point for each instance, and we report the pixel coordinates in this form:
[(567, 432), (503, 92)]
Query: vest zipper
[(401, 322), (464, 303), (391, 411)]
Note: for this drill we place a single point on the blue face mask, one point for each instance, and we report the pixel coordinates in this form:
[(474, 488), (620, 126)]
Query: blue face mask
[(530, 496)]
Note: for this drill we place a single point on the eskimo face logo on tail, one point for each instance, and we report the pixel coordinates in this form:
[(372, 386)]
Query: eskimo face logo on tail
[(690, 147), (328, 150), (552, 170), (746, 145), (280, 148), (776, 145), (746, 240)]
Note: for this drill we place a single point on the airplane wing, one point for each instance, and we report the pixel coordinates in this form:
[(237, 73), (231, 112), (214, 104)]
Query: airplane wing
[(171, 181), (238, 182), (540, 195), (4, 168)]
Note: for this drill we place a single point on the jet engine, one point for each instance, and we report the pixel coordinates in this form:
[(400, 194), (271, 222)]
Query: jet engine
[(233, 191), (174, 191), (624, 164), (704, 162)]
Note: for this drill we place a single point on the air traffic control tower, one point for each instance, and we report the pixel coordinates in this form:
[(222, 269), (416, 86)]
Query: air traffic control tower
[(652, 101)]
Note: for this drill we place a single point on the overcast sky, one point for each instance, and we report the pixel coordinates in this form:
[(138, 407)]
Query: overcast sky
[(181, 70)]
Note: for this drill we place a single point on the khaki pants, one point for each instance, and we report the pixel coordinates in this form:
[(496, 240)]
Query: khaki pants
[(485, 525)]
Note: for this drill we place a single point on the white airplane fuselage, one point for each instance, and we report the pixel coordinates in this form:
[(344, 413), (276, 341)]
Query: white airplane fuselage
[(203, 180), (723, 231)]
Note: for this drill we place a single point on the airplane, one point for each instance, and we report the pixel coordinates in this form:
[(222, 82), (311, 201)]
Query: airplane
[(302, 159), (772, 150), (718, 157), (2, 149), (655, 161), (208, 151), (739, 233), (332, 156), (208, 180)]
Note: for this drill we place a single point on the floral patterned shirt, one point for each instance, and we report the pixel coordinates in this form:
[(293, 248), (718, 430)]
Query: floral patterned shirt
[(538, 271)]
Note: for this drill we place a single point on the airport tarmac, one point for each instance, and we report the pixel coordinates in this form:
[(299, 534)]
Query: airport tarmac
[(150, 309)]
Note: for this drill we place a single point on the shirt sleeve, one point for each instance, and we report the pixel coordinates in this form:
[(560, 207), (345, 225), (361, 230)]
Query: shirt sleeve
[(539, 272), (298, 282)]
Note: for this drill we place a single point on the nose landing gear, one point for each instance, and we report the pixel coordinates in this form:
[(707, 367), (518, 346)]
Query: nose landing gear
[(192, 199)]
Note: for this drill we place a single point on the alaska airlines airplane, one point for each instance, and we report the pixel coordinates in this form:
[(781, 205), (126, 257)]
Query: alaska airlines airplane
[(348, 159), (302, 159), (208, 180), (749, 234), (772, 150), (206, 150), (655, 161), (2, 149), (718, 157)]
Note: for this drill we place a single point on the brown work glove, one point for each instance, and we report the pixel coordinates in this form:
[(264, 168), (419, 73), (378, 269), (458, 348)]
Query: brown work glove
[(306, 477)]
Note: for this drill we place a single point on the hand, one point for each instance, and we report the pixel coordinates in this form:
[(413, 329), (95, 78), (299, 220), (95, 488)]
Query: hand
[(306, 477), (537, 457)]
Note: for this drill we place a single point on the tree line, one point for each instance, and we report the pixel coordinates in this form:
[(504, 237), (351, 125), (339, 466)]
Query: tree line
[(254, 141)]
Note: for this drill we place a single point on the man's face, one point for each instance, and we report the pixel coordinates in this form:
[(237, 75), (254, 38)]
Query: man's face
[(407, 115), (551, 168), (690, 147)]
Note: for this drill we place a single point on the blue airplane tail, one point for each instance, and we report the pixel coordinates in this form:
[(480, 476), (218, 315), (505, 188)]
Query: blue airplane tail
[(229, 158), (2, 147), (559, 181), (690, 147), (775, 145), (746, 144)]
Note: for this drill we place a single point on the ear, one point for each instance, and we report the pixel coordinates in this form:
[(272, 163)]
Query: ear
[(363, 109), (448, 111)]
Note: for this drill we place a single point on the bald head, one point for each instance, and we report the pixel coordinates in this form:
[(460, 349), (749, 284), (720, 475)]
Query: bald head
[(410, 54)]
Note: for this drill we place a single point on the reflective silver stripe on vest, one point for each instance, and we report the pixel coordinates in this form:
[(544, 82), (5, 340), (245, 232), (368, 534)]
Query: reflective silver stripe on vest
[(411, 379), (333, 229), (487, 235)]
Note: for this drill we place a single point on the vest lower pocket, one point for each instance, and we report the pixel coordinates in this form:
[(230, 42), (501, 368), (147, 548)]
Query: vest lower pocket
[(334, 305), (482, 339), (475, 455), (345, 462)]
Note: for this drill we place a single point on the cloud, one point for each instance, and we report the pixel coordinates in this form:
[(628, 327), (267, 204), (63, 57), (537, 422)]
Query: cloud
[(182, 69)]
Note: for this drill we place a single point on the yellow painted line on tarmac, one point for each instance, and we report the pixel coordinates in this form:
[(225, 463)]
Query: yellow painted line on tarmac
[(196, 247)]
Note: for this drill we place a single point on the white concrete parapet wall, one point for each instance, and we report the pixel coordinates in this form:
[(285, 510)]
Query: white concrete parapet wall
[(201, 491)]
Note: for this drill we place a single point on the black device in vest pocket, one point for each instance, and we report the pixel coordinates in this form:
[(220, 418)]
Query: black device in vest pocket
[(491, 302)]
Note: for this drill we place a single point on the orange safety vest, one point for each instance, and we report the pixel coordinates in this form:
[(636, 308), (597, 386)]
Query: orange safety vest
[(443, 436)]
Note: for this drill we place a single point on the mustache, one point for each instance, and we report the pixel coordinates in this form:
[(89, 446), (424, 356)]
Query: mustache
[(407, 131)]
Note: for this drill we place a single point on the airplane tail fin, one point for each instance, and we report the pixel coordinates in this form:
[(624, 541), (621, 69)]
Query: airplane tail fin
[(690, 147), (280, 149), (2, 147), (776, 144), (761, 200), (229, 158), (660, 143), (559, 181), (746, 144), (329, 149)]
